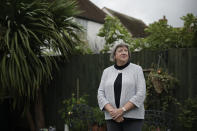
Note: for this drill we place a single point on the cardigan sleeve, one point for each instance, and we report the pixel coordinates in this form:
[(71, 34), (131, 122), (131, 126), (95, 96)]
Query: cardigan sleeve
[(139, 97), (102, 101)]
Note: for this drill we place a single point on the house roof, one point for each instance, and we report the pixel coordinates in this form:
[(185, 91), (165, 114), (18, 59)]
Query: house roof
[(135, 26), (90, 11)]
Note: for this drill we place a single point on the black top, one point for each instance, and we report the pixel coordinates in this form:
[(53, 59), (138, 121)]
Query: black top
[(117, 89), (118, 84), (121, 67)]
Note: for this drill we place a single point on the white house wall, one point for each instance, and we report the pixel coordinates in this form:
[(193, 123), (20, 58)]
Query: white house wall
[(95, 42)]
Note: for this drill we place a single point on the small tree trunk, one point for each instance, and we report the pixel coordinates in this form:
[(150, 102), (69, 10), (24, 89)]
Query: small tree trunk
[(39, 115), (30, 121)]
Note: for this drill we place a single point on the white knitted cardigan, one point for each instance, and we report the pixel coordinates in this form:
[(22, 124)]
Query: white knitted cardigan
[(133, 90)]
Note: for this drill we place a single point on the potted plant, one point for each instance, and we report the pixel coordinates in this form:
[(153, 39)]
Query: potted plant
[(76, 113), (161, 80), (160, 90)]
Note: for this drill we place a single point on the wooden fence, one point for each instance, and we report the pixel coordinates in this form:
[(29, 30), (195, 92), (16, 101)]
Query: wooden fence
[(85, 72)]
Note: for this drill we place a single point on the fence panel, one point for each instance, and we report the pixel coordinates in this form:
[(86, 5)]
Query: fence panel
[(87, 71)]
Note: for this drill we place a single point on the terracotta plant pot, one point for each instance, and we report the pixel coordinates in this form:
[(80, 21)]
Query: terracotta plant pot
[(95, 127)]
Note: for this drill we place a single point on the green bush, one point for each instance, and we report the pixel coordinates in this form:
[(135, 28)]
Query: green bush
[(187, 115)]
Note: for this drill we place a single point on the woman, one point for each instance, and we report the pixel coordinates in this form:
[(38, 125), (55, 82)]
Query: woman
[(122, 91)]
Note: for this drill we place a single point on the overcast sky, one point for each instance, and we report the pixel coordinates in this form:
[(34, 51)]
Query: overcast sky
[(152, 10)]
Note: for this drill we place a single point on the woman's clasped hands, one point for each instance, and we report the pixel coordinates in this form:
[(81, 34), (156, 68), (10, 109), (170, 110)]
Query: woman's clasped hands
[(117, 114)]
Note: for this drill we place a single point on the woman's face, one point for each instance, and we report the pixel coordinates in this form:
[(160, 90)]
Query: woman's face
[(121, 54)]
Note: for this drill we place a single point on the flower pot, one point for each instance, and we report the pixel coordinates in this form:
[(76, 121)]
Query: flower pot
[(96, 127), (157, 85)]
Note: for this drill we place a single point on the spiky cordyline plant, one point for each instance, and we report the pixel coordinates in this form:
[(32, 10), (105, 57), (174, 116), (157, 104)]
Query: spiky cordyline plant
[(27, 29)]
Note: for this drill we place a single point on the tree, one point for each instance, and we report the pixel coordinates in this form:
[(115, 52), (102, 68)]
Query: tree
[(112, 31), (188, 33), (27, 30), (160, 35), (163, 36)]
